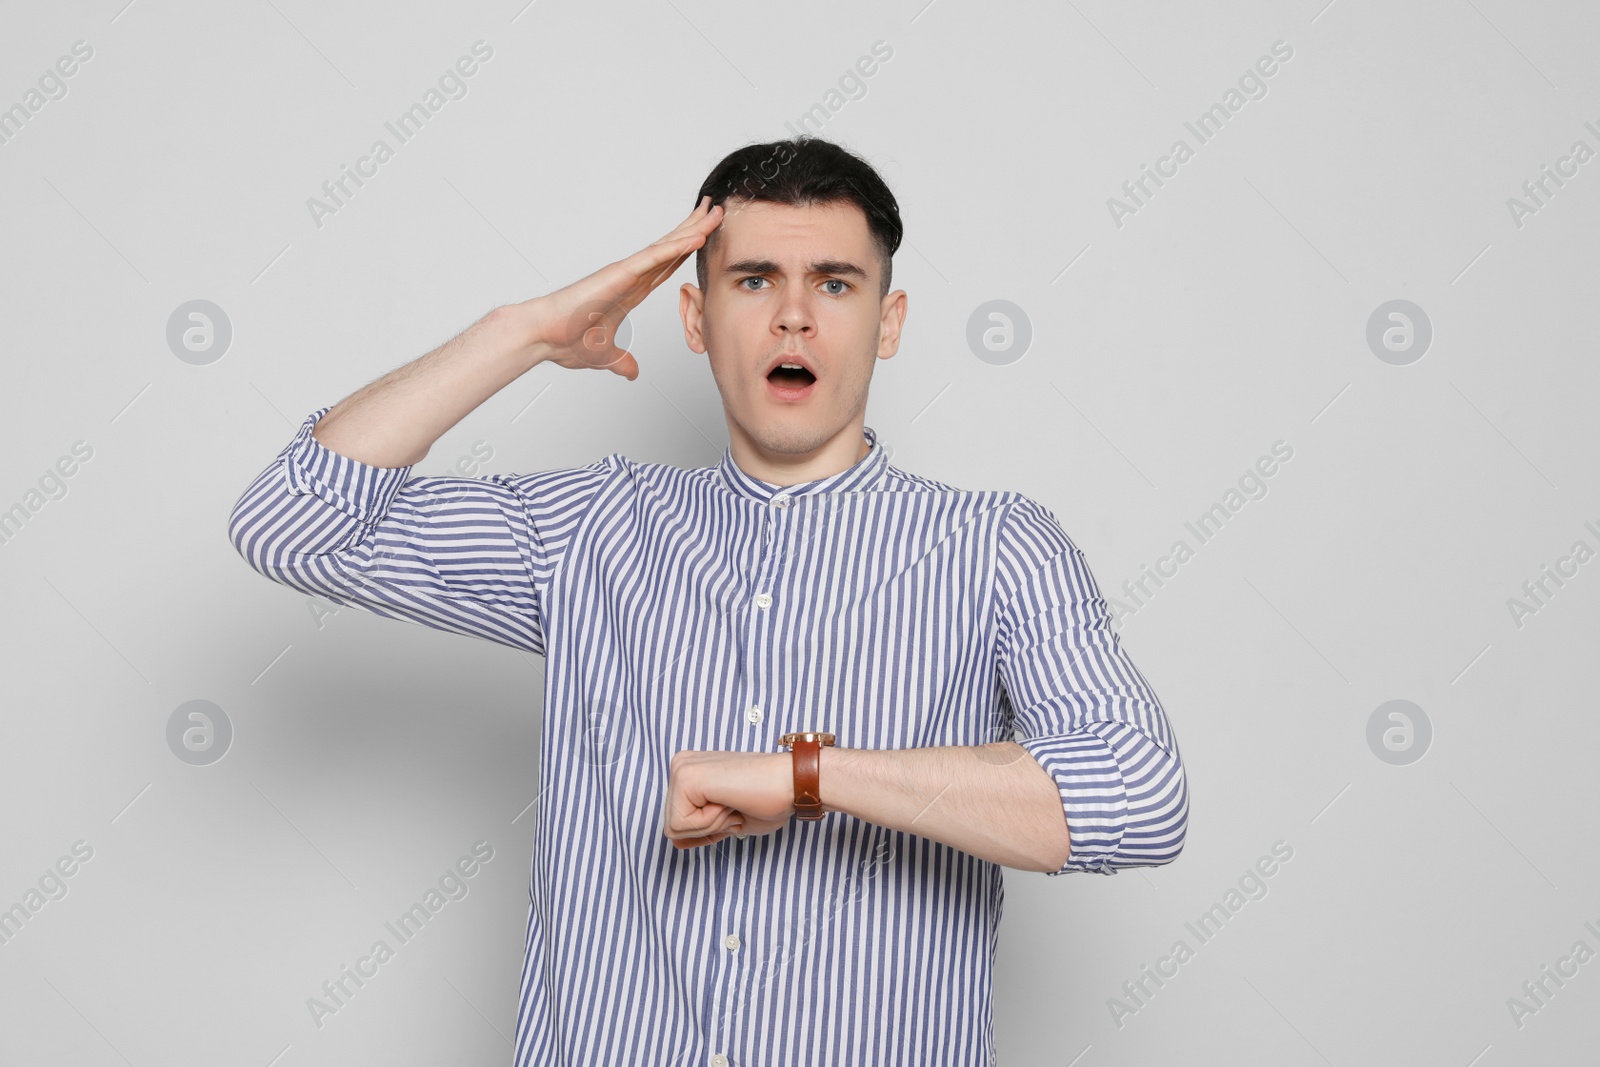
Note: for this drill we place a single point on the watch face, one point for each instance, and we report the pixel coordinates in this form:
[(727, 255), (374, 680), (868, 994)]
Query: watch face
[(806, 735)]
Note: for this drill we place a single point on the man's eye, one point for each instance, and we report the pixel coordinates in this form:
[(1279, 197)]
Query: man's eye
[(836, 281), (752, 278)]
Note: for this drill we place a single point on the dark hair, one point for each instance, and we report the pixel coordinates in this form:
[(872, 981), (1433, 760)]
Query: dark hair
[(800, 171)]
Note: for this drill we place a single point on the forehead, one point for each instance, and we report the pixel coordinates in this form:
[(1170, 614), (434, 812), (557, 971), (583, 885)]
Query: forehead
[(788, 234)]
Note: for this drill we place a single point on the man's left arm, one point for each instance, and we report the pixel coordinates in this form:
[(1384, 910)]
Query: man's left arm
[(994, 801), (1096, 782), (1082, 710)]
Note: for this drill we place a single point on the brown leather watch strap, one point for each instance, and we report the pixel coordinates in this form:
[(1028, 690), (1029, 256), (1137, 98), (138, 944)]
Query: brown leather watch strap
[(807, 750)]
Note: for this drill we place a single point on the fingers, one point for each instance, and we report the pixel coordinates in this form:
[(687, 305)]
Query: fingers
[(699, 211), (701, 220), (650, 266), (670, 249), (680, 242), (703, 217), (726, 821), (697, 842), (658, 269), (735, 829), (626, 366)]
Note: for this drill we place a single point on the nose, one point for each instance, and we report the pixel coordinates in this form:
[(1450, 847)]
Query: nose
[(794, 314)]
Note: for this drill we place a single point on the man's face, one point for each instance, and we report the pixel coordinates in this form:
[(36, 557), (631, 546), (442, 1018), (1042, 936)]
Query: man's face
[(793, 284)]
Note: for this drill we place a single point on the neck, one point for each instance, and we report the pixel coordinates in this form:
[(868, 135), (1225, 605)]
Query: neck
[(838, 453)]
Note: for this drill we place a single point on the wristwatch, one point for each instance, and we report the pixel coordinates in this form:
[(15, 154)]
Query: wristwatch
[(807, 749)]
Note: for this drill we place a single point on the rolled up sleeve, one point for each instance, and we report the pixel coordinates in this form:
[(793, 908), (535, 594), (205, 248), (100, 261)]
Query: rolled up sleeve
[(472, 556), (1080, 707)]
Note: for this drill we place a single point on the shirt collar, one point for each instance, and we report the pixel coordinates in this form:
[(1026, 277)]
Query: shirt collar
[(865, 473)]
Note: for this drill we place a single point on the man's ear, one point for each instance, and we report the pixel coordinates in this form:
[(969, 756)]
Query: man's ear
[(892, 316), (691, 308)]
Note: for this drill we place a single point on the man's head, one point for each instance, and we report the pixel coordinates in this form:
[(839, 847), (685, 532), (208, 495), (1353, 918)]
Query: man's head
[(797, 271)]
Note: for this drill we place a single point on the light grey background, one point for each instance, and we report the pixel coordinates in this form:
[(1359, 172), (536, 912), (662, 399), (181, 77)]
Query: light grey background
[(1168, 354)]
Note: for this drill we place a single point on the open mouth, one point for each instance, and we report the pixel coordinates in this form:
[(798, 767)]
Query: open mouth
[(790, 383), (791, 377)]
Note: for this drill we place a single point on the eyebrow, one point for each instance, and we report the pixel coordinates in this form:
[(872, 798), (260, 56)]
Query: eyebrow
[(823, 266)]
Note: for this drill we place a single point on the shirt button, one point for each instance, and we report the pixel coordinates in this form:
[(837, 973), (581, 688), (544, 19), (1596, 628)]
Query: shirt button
[(781, 500), (732, 941), (763, 600), (754, 714), (719, 1060)]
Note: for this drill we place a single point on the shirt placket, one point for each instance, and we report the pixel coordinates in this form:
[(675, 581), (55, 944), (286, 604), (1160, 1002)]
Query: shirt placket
[(753, 733)]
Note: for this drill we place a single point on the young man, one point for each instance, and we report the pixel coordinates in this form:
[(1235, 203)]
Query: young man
[(702, 627)]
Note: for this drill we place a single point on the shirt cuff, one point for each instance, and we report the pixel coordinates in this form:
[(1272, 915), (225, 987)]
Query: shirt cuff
[(357, 489), (1094, 797)]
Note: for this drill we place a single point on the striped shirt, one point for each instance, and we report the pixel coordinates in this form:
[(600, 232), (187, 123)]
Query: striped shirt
[(708, 609)]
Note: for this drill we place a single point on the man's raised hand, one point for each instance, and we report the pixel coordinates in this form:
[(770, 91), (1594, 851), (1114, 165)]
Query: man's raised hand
[(576, 327)]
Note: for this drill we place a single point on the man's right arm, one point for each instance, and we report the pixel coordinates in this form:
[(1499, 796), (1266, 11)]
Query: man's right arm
[(471, 556), (338, 514), (394, 421)]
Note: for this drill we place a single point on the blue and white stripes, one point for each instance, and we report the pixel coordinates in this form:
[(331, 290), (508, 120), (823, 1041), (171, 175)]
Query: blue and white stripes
[(707, 609)]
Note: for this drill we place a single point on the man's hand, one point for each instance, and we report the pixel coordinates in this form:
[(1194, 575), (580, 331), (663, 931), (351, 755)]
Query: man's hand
[(576, 327), (713, 794)]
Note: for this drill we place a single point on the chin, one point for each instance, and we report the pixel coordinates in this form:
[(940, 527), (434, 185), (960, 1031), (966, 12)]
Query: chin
[(791, 428), (790, 434)]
